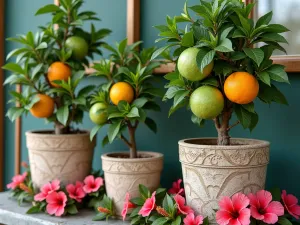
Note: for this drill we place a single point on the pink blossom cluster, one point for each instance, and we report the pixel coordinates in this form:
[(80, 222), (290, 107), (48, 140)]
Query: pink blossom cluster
[(239, 209), (57, 199), (180, 203)]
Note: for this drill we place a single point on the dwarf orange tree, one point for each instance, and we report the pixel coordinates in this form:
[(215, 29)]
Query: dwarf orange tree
[(223, 63), (122, 102), (50, 65)]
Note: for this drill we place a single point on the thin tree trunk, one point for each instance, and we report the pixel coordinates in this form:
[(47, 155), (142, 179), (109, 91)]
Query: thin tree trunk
[(133, 150), (223, 128), (60, 129)]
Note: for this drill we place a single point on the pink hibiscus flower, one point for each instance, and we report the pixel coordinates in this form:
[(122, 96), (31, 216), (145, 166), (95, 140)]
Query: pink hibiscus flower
[(76, 191), (191, 220), (148, 206), (176, 188), (182, 208), (263, 208), (127, 205), (46, 190), (92, 184), (56, 203), (234, 211), (17, 180), (291, 204)]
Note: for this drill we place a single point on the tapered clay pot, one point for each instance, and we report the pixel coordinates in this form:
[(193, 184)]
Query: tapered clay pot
[(122, 175), (66, 157), (211, 171)]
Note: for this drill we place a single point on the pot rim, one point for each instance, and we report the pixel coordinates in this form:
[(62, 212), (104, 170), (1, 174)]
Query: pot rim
[(256, 144), (37, 133), (155, 156)]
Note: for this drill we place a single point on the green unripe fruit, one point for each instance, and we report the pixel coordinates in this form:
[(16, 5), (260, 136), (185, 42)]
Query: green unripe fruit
[(98, 113), (207, 102), (78, 46), (187, 65)]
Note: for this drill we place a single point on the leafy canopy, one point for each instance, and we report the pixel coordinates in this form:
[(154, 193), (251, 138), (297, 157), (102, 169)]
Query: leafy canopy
[(224, 34), (38, 51), (133, 66)]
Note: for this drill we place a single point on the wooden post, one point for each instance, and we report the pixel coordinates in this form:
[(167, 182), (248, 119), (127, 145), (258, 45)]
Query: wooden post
[(133, 21), (2, 51)]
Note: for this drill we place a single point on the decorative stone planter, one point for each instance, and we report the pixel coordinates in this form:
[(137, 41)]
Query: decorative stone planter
[(122, 175), (211, 171), (66, 157)]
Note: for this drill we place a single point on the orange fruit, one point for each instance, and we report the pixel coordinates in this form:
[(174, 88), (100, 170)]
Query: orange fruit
[(121, 91), (207, 102), (241, 88), (44, 108), (58, 71)]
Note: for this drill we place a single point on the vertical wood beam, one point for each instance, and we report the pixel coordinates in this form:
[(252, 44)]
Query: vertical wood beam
[(133, 20), (2, 52)]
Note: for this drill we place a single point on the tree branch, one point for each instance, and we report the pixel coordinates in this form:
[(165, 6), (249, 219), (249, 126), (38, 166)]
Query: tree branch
[(233, 125), (217, 122), (125, 140)]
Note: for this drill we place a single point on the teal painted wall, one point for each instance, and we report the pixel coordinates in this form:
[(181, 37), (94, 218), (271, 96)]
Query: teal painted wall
[(278, 124)]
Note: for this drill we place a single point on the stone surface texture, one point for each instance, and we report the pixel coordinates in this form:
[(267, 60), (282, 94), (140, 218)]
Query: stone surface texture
[(211, 171), (12, 214), (65, 157), (124, 175)]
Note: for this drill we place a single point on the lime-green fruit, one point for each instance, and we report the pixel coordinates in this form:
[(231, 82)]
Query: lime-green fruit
[(207, 102), (187, 65), (78, 46), (98, 113)]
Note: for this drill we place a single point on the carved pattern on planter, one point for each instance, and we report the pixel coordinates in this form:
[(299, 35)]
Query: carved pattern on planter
[(125, 175), (64, 157), (210, 173)]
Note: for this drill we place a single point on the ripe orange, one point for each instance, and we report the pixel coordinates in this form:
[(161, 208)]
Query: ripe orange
[(207, 102), (241, 88), (58, 71), (121, 91), (44, 108), (187, 65)]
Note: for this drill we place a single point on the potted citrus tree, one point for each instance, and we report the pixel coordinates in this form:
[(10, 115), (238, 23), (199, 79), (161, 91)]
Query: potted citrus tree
[(50, 65), (122, 103), (223, 64)]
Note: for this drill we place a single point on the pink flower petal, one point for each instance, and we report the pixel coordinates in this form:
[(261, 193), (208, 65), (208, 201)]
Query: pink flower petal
[(189, 219), (295, 211), (55, 185), (240, 201), (99, 182), (244, 216), (234, 222), (276, 208), (40, 197), (255, 214), (223, 217), (264, 198), (51, 209), (89, 180), (60, 211), (226, 204), (270, 218), (199, 220)]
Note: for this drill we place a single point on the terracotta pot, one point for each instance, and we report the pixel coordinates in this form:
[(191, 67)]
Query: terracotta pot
[(66, 157), (122, 175), (211, 171)]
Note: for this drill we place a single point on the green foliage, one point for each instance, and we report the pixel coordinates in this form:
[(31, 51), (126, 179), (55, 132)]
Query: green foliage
[(38, 51), (225, 35), (127, 64)]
